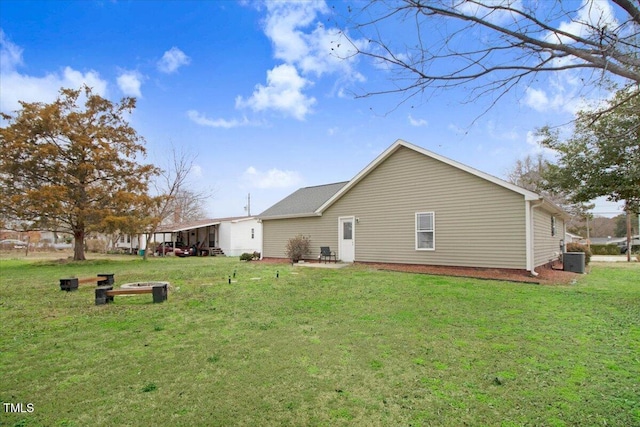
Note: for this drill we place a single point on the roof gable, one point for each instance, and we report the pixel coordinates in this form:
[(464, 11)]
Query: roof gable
[(303, 202), (313, 201), (528, 195)]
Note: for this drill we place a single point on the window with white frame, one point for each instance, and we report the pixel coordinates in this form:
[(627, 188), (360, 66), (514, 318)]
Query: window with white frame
[(425, 231)]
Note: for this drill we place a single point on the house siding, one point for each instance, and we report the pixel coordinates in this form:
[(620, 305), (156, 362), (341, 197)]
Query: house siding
[(276, 233), (241, 240), (547, 247), (477, 223)]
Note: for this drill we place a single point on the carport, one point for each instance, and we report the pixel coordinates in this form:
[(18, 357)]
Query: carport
[(203, 233)]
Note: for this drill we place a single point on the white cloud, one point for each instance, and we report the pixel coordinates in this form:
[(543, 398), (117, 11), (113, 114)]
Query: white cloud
[(283, 93), (308, 50), (536, 99), (273, 178), (10, 54), (202, 120), (130, 82), (317, 50), (591, 16), (282, 26), (484, 10), (18, 87), (417, 122), (15, 86), (196, 171), (173, 59), (567, 92), (563, 94)]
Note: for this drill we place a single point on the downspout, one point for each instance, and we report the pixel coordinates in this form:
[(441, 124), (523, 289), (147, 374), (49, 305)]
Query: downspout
[(530, 233), (261, 238)]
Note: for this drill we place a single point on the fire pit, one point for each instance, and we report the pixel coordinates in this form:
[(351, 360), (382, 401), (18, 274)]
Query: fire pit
[(142, 285)]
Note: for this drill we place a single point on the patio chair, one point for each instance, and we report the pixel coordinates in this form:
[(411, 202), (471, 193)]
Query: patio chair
[(327, 254)]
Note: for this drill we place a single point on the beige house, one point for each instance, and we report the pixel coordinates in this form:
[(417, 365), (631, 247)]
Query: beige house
[(412, 206)]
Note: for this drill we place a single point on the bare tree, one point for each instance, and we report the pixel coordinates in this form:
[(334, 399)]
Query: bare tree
[(530, 173), (527, 173), (173, 200), (188, 205), (490, 46)]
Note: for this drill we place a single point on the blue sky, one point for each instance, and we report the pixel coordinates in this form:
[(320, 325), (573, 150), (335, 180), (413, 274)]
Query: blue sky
[(259, 93)]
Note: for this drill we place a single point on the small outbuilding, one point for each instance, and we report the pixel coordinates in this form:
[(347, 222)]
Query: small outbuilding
[(413, 206)]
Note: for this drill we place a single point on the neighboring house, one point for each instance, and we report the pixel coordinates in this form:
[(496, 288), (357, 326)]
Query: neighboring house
[(614, 240), (223, 236), (130, 242), (621, 242), (412, 206), (40, 238), (573, 238)]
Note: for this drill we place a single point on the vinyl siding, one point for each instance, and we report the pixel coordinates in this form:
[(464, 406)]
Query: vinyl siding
[(277, 232), (477, 223), (547, 247)]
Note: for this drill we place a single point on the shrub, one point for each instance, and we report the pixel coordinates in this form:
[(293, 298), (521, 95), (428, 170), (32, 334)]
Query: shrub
[(577, 247), (605, 249), (246, 257), (297, 247), (96, 245)]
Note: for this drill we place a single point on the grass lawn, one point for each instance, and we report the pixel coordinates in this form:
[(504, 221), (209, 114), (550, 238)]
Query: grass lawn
[(316, 347)]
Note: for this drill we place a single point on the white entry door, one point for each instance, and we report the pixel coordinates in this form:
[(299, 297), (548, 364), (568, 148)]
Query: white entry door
[(347, 238)]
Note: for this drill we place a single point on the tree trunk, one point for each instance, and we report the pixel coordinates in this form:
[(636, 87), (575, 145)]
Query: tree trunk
[(629, 240), (78, 245), (26, 248)]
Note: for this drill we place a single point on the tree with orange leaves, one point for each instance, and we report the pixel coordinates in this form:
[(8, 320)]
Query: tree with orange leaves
[(73, 165)]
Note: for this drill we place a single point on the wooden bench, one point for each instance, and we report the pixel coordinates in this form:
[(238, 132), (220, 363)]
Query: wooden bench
[(105, 294), (71, 284)]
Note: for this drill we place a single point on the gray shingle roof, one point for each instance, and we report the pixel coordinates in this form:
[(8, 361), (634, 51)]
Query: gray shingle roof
[(304, 201)]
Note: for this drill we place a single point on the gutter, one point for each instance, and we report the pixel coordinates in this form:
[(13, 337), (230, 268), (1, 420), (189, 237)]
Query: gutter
[(530, 233), (289, 216)]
